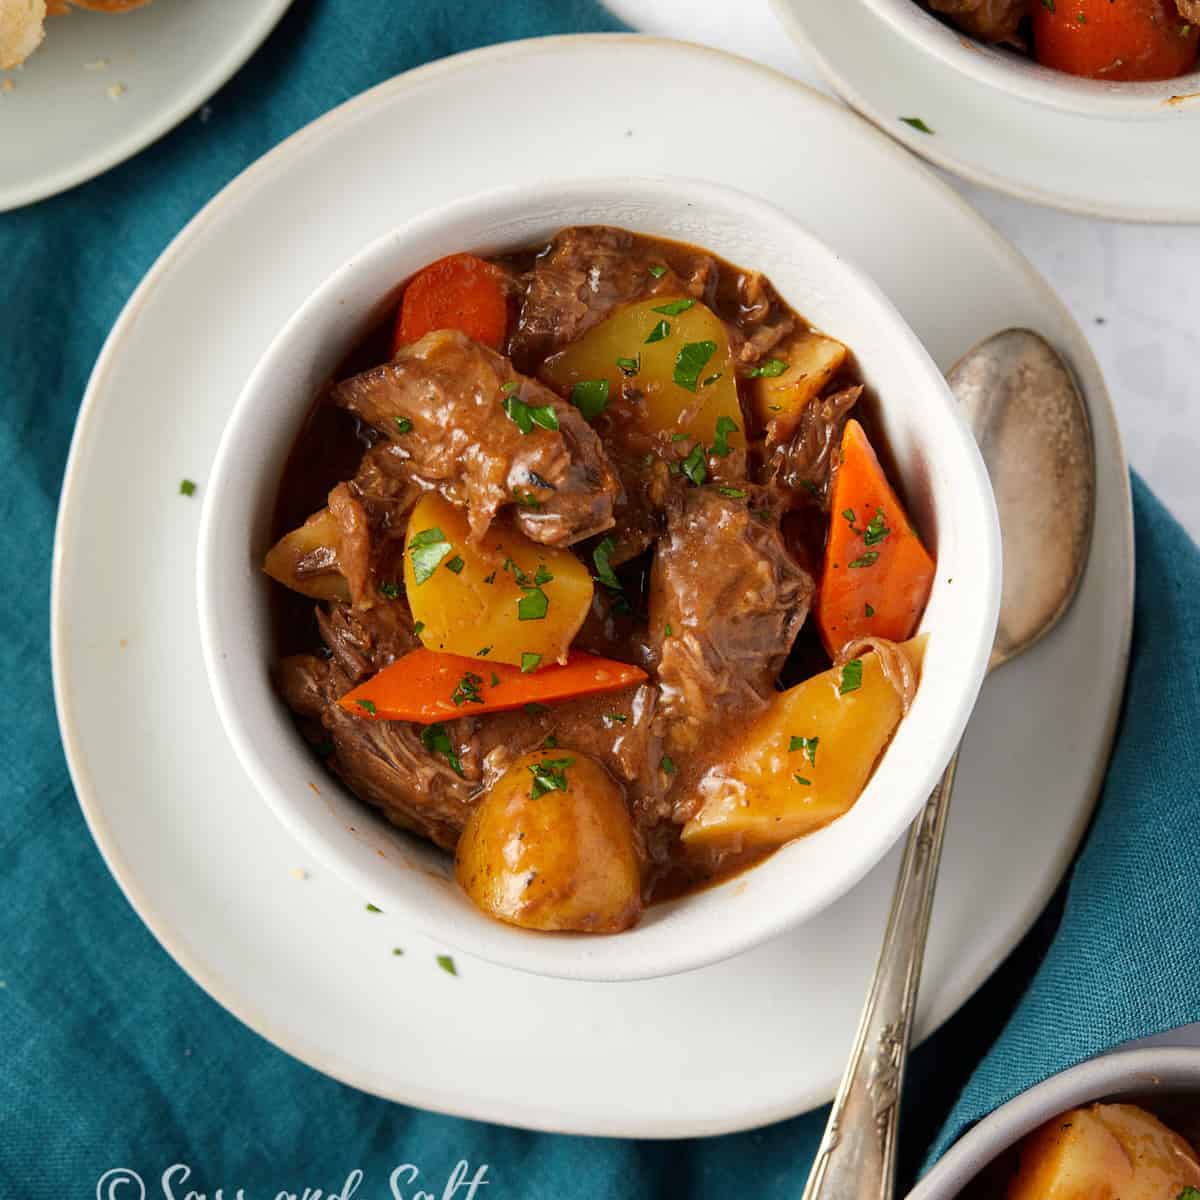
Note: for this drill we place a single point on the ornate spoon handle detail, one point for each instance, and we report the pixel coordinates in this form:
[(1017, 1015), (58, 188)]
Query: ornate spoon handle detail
[(857, 1157)]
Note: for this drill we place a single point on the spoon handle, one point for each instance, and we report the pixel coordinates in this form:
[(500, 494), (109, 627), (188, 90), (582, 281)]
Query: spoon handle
[(857, 1157)]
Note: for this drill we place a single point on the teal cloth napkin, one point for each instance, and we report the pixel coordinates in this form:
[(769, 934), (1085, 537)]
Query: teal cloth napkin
[(110, 1057)]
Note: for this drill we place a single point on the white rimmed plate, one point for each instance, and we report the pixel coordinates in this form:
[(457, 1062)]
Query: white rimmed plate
[(199, 855), (101, 86), (1132, 170)]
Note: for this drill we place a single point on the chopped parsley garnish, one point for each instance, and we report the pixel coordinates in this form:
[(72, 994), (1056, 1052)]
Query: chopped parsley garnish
[(534, 709), (712, 379), (389, 589), (368, 706), (403, 425), (511, 386), (876, 531), (868, 611), (526, 416), (732, 493), (720, 446), (660, 331), (495, 679), (527, 500), (867, 560), (417, 627), (674, 308), (426, 550), (851, 677), (802, 781), (667, 630), (371, 908), (771, 369), (694, 466), (679, 437), (467, 691), (920, 125), (436, 740), (667, 764), (447, 964), (658, 271), (590, 396), (549, 775), (530, 662), (542, 576), (1189, 1193), (690, 361), (533, 605), (456, 565), (848, 513), (810, 487), (1048, 4), (806, 744), (483, 651), (615, 718), (601, 557), (551, 742), (187, 487), (490, 578), (397, 951), (630, 366)]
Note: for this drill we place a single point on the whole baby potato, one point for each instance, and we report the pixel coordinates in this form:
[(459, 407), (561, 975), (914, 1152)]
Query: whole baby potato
[(551, 847)]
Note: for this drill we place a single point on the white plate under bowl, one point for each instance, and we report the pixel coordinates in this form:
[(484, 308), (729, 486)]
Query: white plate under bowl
[(59, 124), (1131, 170), (200, 856)]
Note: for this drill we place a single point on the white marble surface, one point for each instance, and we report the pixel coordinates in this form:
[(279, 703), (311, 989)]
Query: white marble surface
[(1135, 289)]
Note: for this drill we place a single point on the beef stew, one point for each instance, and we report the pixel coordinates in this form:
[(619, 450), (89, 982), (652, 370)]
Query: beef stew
[(591, 574)]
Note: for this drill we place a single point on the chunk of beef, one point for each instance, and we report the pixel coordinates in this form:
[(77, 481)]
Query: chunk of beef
[(585, 273), (733, 599), (617, 728), (801, 468), (763, 319), (461, 442), (384, 762), (989, 20), (363, 642)]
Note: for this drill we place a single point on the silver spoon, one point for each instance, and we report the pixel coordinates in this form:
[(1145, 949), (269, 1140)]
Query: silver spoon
[(1032, 427)]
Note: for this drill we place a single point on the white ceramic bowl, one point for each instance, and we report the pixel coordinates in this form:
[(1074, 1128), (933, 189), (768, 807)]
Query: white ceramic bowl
[(1019, 76), (943, 476), (1143, 1076)]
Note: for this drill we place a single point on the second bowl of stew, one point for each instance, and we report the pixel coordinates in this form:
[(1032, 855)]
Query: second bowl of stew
[(598, 575)]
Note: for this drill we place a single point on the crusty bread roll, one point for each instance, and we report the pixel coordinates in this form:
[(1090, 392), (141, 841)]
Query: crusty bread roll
[(21, 30)]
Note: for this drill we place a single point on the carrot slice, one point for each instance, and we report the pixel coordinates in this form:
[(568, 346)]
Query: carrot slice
[(425, 686), (459, 292), (877, 574), (1130, 40)]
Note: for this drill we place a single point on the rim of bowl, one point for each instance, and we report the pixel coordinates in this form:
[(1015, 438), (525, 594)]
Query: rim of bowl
[(1144, 1070), (615, 957), (1030, 81)]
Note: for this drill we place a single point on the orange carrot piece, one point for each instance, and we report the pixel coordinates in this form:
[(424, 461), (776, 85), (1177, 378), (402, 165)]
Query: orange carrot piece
[(459, 292), (877, 574), (1131, 40), (425, 686)]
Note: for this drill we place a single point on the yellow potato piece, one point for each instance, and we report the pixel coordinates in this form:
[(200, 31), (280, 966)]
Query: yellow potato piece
[(560, 860), (480, 607), (691, 407), (767, 793), (813, 359), (318, 533), (1104, 1152)]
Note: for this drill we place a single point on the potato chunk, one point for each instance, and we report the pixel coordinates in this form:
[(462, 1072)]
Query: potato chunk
[(1104, 1152), (470, 602), (685, 375), (803, 763), (551, 848), (306, 560), (812, 361)]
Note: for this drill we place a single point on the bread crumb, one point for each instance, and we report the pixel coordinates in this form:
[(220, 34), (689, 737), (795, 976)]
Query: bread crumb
[(299, 873), (116, 91), (97, 64), (8, 85)]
